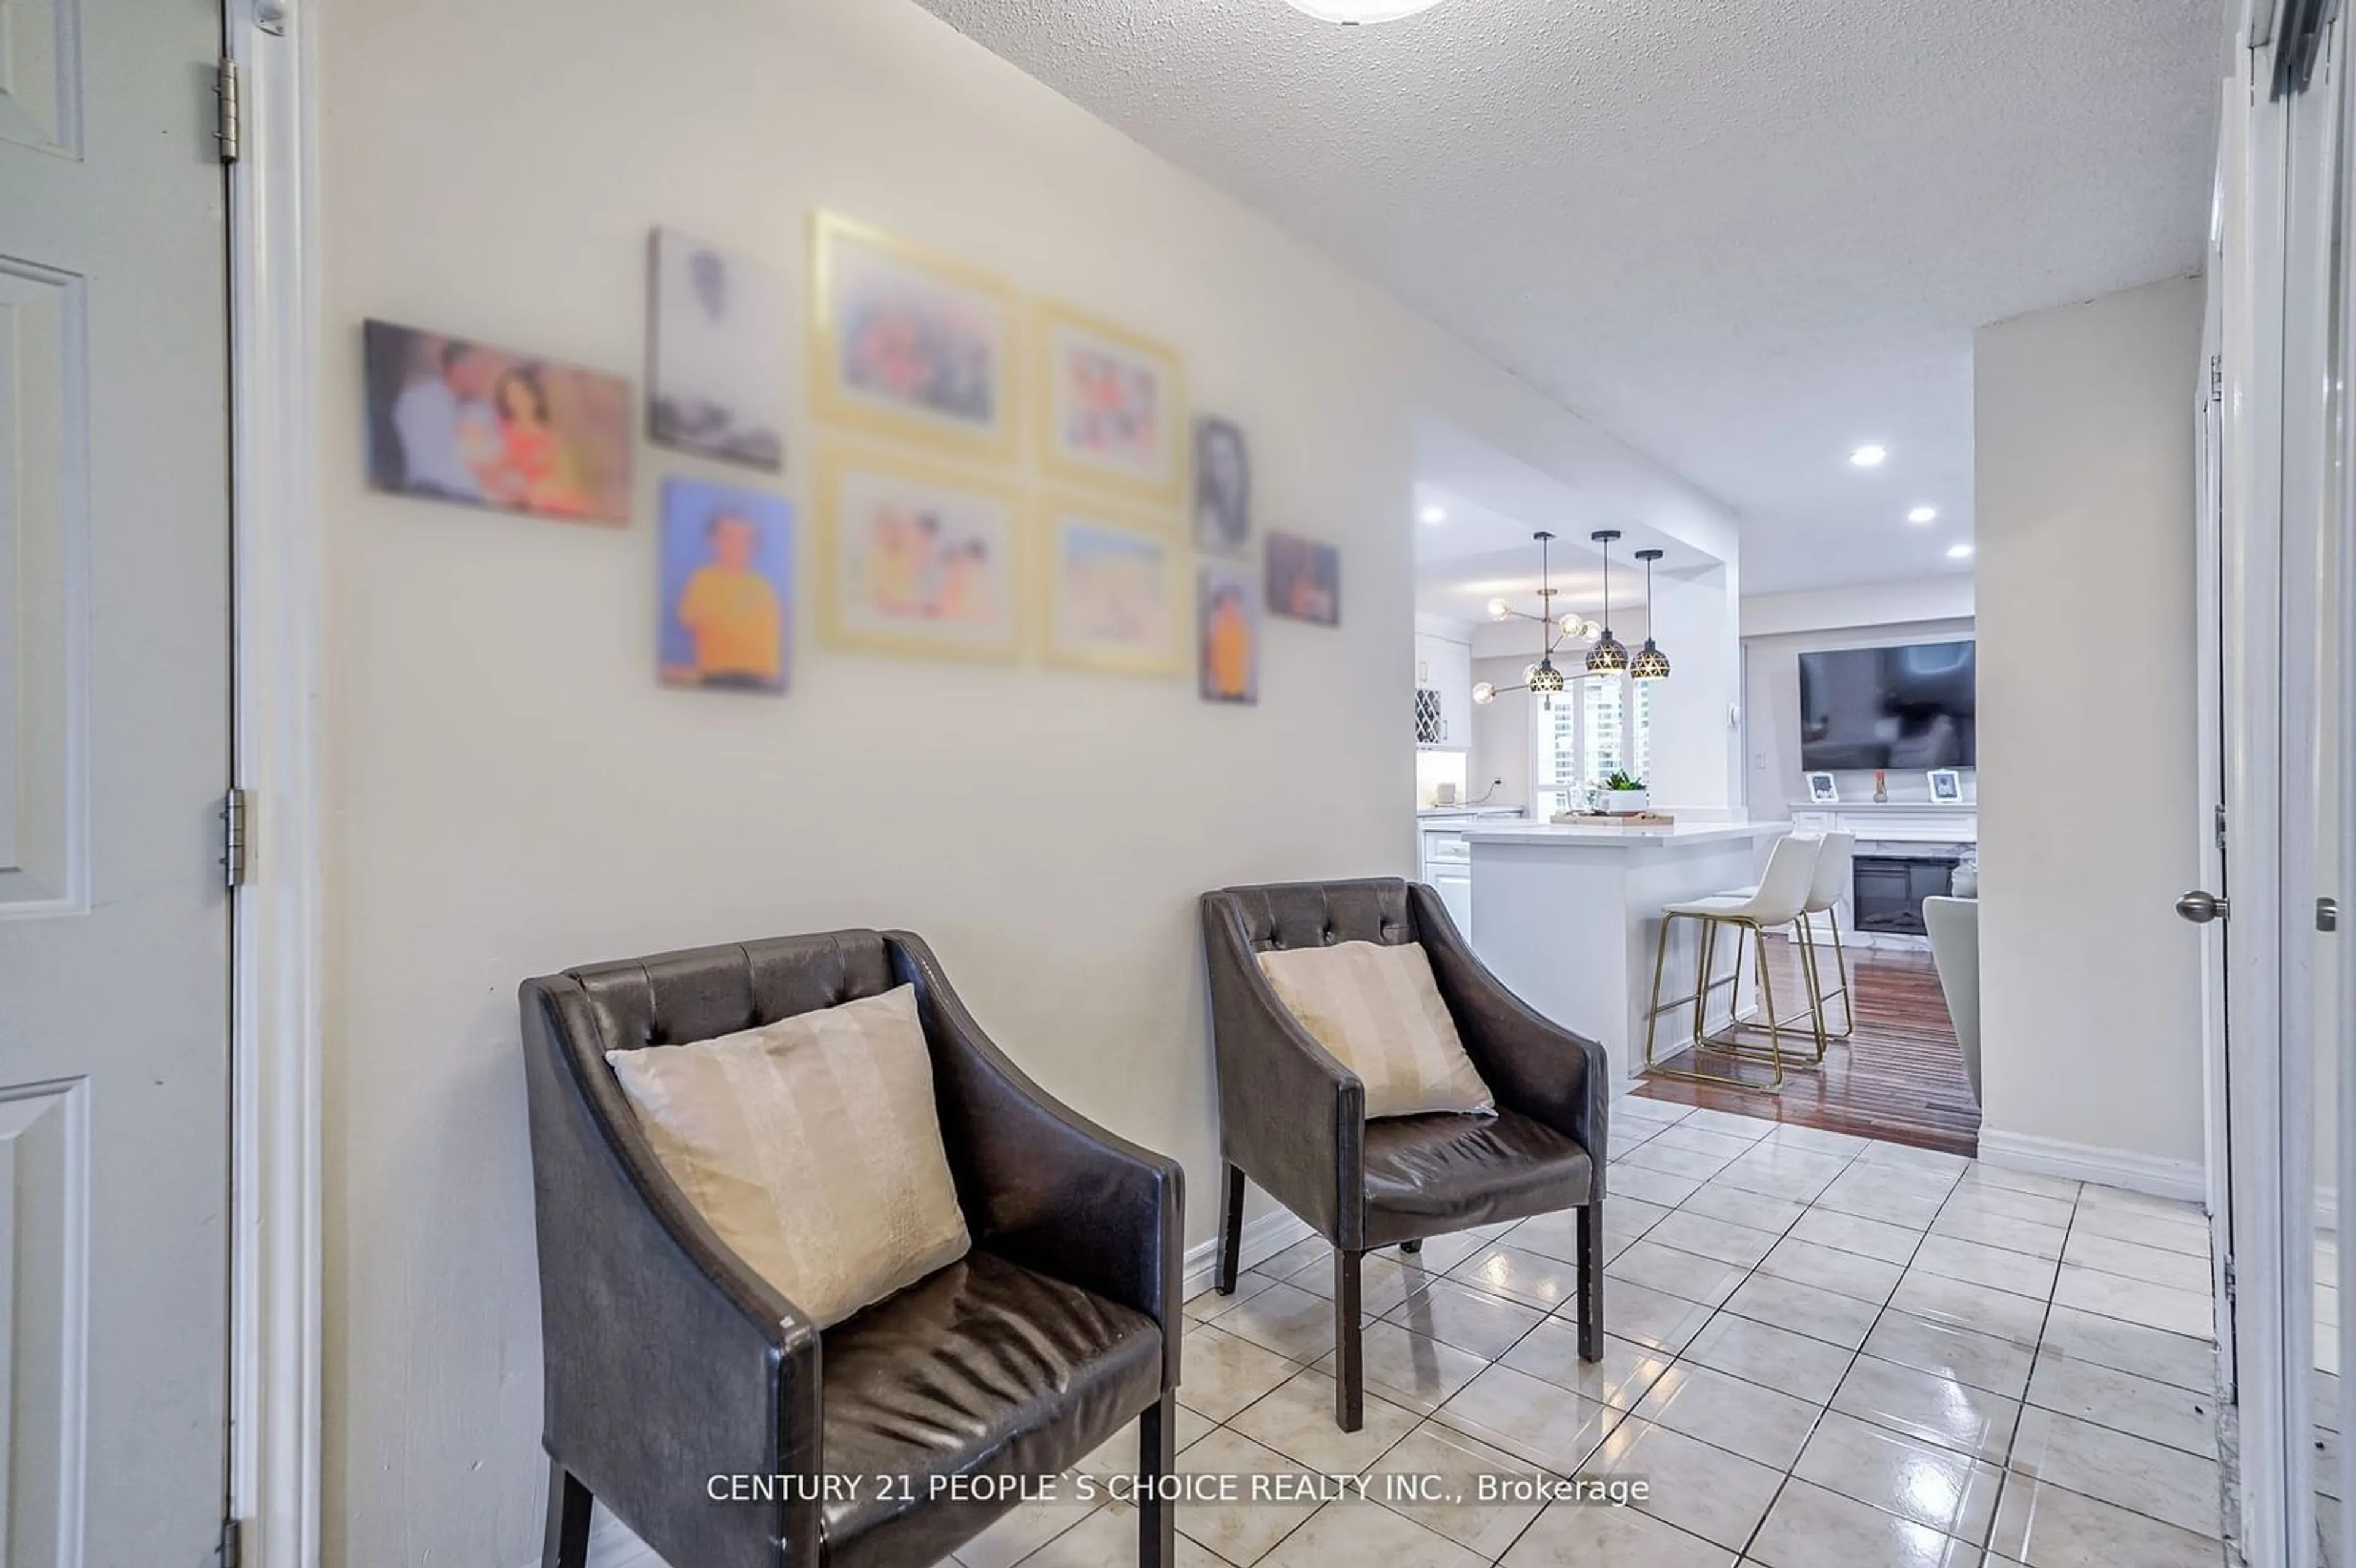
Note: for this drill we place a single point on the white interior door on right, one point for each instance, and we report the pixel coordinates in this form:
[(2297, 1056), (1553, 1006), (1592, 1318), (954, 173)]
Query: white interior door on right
[(114, 752)]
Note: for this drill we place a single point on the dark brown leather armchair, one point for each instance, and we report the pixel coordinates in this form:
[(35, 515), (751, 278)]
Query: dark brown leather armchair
[(672, 1368), (1294, 1119)]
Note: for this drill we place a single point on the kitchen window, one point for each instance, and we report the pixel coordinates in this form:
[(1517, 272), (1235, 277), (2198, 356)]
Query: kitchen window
[(1600, 726)]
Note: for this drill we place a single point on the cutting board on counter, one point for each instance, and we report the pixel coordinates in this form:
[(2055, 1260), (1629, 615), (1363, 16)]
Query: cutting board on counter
[(1613, 819)]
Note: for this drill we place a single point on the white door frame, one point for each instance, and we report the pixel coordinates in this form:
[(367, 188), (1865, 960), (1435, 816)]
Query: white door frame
[(275, 1110)]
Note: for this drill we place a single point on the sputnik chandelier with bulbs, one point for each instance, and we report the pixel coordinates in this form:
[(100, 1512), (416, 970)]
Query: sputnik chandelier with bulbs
[(1608, 657)]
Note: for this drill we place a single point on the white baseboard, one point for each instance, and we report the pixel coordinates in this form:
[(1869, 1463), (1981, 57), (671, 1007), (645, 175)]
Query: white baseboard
[(613, 1546), (1263, 1237), (2182, 1180)]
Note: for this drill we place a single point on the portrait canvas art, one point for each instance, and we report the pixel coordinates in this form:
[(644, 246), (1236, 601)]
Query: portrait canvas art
[(910, 345), (459, 421), (1113, 407), (718, 364), (918, 560), (727, 587), (1228, 630), (1115, 593), (1304, 580), (1222, 488)]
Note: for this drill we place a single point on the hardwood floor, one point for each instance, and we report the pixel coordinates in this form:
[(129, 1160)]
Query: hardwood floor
[(1900, 1076)]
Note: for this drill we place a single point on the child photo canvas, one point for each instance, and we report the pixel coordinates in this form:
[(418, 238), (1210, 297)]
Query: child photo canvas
[(1304, 580), (719, 362), (454, 420), (1227, 628), (726, 587)]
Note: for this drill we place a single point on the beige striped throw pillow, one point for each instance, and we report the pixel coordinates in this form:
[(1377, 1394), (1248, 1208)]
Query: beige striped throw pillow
[(812, 1148), (1376, 1007)]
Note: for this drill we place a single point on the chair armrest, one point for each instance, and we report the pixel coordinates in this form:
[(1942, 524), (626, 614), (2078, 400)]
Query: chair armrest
[(1291, 1117), (667, 1362), (1041, 1185), (1534, 1065)]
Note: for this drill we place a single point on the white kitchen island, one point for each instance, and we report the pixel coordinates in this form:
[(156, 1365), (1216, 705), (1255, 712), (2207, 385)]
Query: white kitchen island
[(1567, 917)]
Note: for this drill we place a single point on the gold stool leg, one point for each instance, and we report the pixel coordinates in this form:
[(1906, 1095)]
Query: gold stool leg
[(1767, 1001), (1660, 961), (1840, 968), (1804, 930)]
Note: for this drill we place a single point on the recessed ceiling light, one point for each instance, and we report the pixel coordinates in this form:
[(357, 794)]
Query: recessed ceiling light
[(1923, 514), (1866, 457), (1959, 551), (1434, 514)]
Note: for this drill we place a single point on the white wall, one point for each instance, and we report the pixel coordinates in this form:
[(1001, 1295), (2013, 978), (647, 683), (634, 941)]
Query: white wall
[(1945, 598), (1501, 735), (1775, 778), (2088, 804), (514, 794)]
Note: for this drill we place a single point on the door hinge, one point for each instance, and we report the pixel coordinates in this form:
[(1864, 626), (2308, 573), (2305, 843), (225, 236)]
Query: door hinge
[(2216, 379), (2230, 1296), (2326, 916), (230, 1553), (232, 816), (228, 125), (2220, 825)]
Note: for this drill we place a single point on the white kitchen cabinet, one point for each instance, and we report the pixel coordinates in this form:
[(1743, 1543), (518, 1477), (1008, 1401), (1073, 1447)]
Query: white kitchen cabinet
[(1443, 683)]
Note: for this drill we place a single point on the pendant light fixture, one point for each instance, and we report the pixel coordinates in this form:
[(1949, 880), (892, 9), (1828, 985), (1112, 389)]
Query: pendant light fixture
[(1610, 655), (1650, 662), (1543, 677)]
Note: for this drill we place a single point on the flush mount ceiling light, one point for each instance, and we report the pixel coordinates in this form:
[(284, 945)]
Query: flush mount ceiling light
[(1959, 552), (1610, 655), (1923, 514), (1650, 662), (1357, 13), (1544, 677), (1434, 514), (1868, 457)]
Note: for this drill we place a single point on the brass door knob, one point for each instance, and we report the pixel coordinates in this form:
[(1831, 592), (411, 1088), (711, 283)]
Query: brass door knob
[(2200, 908)]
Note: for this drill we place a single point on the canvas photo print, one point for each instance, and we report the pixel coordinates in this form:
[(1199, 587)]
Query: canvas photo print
[(910, 344), (726, 587), (1304, 580), (1115, 593), (459, 421), (1227, 633), (718, 357), (919, 561), (1222, 488)]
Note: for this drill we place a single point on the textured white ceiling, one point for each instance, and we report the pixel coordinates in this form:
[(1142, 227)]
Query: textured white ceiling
[(1746, 236)]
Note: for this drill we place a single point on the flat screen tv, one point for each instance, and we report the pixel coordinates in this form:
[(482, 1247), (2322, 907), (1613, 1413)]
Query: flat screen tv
[(1911, 706)]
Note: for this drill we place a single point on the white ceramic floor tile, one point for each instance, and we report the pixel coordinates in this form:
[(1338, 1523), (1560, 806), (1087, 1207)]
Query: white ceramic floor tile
[(2055, 1187), (1243, 1531), (1687, 1136), (1855, 1233), (1296, 1419), (2135, 1301), (2146, 1407), (1705, 1491), (1932, 1345), (1952, 1493), (1383, 1281), (1810, 1527), (2153, 1479), (1014, 1536), (1571, 1535), (1774, 1358), (1460, 1464), (1657, 1268), (2178, 1271), (1973, 1223), (1983, 1310), (1530, 1418), (1929, 1407), (1727, 1413), (1344, 1533), (1993, 1266), (1284, 1318), (1845, 1274), (1622, 1377), (1809, 1310), (1974, 1195), (1655, 1154), (1412, 1370), (1531, 1278), (1818, 1140), (1467, 1318), (1720, 1200), (1651, 1316), (1219, 1373), (1731, 1124), (2175, 1234), (2178, 1359), (1905, 1156), (2045, 1526), (1721, 1239)]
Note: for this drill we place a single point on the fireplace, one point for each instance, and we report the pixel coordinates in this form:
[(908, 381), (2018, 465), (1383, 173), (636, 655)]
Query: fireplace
[(1887, 888)]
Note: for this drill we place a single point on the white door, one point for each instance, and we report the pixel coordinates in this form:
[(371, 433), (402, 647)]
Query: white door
[(115, 710)]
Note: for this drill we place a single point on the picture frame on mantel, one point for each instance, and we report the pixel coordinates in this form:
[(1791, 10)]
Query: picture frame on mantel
[(1823, 789), (1946, 786)]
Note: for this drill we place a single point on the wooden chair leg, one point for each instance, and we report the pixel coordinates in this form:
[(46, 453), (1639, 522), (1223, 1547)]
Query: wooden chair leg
[(1231, 1231), (1590, 1283), (568, 1520), (1349, 1365), (1157, 1516)]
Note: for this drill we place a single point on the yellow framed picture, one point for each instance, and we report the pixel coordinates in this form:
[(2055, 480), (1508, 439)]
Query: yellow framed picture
[(1113, 591), (918, 560), (911, 345), (1112, 408)]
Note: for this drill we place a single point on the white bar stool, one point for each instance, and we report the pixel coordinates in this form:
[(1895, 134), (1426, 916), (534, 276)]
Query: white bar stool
[(1824, 894), (1782, 892)]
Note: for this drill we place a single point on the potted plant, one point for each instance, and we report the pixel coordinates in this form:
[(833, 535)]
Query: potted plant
[(1621, 795)]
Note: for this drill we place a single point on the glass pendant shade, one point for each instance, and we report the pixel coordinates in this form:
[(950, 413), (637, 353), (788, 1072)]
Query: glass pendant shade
[(1499, 609), (1608, 657), (1357, 13), (1485, 693), (1650, 663)]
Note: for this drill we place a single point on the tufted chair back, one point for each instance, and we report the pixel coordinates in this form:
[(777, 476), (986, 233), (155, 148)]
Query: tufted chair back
[(1286, 916)]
